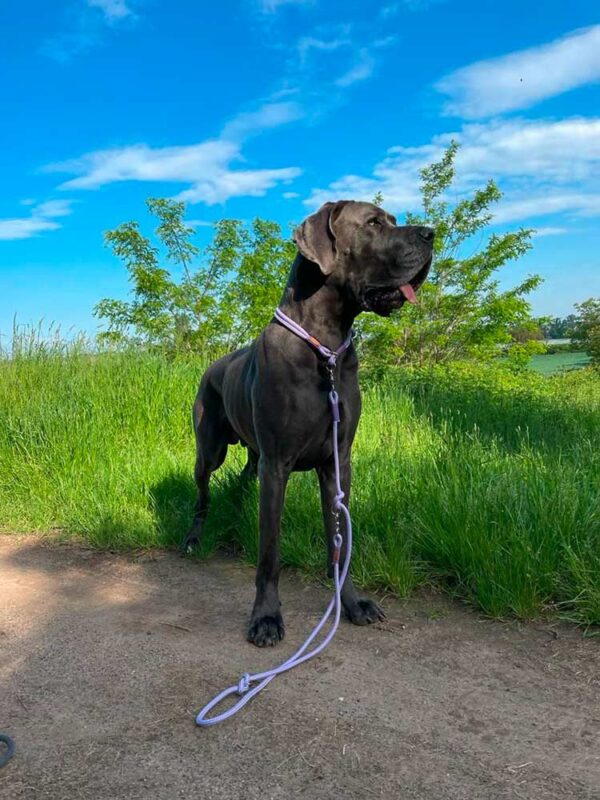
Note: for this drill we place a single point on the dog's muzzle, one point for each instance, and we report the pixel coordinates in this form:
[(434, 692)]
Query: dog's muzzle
[(382, 300)]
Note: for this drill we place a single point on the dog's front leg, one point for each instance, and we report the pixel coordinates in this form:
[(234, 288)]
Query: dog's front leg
[(360, 611), (266, 623)]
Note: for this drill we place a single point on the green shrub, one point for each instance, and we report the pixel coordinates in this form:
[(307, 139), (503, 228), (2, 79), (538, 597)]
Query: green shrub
[(566, 347)]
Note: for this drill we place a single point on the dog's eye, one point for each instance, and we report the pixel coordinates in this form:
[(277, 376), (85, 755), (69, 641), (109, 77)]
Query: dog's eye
[(375, 221)]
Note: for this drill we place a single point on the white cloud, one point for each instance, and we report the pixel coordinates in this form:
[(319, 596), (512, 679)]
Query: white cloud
[(290, 195), (207, 167), (225, 183), (385, 41), (544, 167), (521, 79), (392, 9), (199, 223), (54, 208), (112, 9), (24, 228), (362, 70), (561, 151), (400, 190), (85, 25), (549, 230), (143, 163), (42, 218), (273, 5), (269, 115), (331, 58), (308, 43), (541, 204)]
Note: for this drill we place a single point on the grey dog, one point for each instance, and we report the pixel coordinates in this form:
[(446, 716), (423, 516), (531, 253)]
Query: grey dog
[(272, 396)]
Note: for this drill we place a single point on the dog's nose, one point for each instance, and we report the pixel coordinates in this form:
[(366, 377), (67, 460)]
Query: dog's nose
[(426, 234)]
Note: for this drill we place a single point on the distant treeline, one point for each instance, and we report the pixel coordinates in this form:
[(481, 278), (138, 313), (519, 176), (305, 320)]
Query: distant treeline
[(560, 327)]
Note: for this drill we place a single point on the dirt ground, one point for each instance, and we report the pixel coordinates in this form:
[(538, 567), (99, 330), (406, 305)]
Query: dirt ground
[(105, 659)]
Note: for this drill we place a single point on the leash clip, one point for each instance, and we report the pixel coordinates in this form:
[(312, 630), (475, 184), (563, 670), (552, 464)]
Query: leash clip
[(337, 548)]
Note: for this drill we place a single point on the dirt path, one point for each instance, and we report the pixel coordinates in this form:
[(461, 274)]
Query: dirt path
[(104, 659)]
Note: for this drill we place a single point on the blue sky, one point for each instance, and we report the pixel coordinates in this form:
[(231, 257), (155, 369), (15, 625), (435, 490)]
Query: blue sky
[(269, 107)]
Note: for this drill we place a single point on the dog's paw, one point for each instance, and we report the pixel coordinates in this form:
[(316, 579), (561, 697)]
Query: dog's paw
[(189, 544), (267, 630), (365, 612)]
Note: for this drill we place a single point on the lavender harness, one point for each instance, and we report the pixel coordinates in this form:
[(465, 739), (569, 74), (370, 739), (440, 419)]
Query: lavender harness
[(262, 679)]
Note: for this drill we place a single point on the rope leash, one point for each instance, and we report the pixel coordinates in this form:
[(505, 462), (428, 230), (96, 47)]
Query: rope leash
[(262, 679)]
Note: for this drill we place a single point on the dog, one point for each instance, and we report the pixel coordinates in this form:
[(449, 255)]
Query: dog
[(272, 396)]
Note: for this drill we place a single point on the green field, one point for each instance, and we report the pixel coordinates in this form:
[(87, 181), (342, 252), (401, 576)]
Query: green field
[(475, 480), (552, 363)]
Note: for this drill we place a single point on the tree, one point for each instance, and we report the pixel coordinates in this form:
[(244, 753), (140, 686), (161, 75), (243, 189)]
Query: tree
[(162, 311), (587, 328), (262, 263), (220, 305), (530, 331), (462, 313), (559, 328)]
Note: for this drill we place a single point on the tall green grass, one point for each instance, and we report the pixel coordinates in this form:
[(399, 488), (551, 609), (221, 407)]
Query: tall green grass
[(476, 480)]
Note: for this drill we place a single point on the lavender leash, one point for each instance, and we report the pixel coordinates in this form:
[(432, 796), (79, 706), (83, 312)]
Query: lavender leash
[(262, 679)]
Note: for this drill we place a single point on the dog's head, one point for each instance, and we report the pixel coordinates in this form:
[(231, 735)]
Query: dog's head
[(360, 247)]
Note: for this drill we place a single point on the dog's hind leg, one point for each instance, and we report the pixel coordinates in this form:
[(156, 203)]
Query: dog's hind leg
[(250, 470), (213, 434)]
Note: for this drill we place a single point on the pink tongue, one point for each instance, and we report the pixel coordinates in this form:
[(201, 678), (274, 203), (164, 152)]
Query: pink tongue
[(408, 292)]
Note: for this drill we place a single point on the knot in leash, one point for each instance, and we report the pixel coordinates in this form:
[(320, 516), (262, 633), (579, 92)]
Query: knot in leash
[(244, 684), (337, 501)]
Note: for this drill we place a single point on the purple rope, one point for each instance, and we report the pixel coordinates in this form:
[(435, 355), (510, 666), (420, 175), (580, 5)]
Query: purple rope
[(262, 679), (330, 355)]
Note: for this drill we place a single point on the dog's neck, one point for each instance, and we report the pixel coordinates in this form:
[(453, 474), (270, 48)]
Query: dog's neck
[(321, 307)]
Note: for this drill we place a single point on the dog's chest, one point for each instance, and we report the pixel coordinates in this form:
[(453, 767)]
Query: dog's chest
[(310, 430)]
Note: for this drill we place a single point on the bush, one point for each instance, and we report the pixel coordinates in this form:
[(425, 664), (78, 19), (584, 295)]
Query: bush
[(587, 329), (563, 347)]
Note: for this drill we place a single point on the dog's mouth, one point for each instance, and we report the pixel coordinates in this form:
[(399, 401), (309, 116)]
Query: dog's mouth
[(384, 300)]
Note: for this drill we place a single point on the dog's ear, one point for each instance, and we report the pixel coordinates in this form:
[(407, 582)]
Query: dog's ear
[(315, 237)]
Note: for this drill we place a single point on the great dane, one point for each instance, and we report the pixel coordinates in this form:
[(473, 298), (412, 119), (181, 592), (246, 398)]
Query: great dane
[(272, 396)]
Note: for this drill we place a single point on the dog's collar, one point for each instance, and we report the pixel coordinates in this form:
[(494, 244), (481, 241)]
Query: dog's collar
[(331, 355)]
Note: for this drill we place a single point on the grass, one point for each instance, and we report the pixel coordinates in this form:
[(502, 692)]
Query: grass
[(552, 363), (479, 481)]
